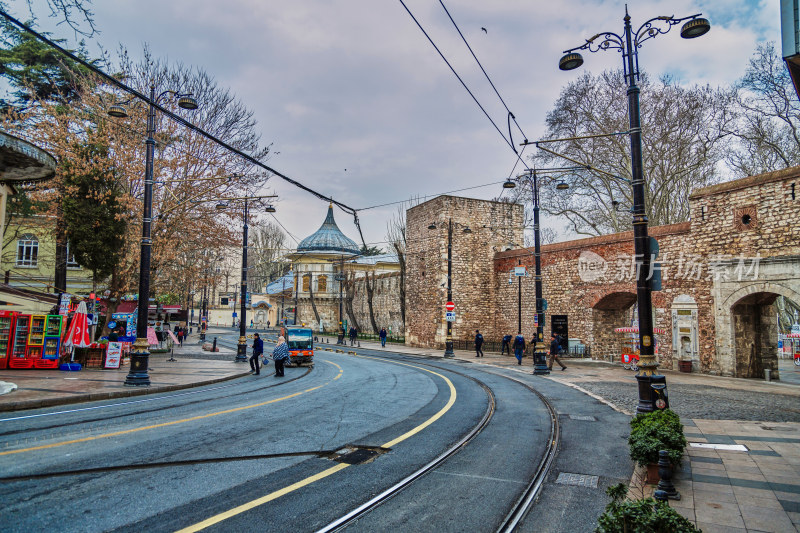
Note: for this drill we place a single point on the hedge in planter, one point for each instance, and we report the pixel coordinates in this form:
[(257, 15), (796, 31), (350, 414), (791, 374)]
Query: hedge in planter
[(640, 516), (654, 431)]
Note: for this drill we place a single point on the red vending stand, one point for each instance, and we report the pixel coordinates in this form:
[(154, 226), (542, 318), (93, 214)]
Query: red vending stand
[(6, 330), (19, 344), (52, 339), (36, 343)]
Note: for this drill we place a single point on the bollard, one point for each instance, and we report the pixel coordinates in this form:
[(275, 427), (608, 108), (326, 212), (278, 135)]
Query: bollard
[(767, 375), (660, 496), (359, 344), (214, 346), (665, 473)]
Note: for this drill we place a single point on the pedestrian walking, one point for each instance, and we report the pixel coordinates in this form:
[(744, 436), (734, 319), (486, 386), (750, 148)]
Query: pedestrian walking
[(280, 355), (519, 347), (555, 349), (382, 335), (258, 350), (353, 334), (478, 344), (506, 346), (251, 323)]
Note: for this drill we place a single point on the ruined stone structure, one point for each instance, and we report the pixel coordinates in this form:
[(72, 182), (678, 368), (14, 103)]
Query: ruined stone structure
[(721, 273)]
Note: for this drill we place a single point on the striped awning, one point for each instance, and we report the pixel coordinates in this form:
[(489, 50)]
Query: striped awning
[(635, 329)]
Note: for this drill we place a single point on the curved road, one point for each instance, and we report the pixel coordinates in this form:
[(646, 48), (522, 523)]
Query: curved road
[(269, 454)]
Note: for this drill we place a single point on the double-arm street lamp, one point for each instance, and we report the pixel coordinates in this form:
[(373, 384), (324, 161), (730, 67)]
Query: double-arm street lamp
[(532, 176), (448, 345), (241, 348), (629, 43), (140, 355)]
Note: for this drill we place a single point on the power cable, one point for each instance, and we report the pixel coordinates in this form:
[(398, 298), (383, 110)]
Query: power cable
[(453, 70)]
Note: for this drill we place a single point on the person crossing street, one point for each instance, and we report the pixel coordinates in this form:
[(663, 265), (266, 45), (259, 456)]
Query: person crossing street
[(258, 349), (519, 348), (280, 355)]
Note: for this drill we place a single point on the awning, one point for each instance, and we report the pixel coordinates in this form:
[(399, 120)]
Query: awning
[(130, 307)]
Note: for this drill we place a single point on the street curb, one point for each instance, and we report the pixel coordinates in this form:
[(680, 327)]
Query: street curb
[(51, 402)]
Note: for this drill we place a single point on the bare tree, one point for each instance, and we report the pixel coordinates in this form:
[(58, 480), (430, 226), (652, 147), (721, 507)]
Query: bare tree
[(768, 129), (349, 294), (370, 286), (684, 132), (310, 277), (266, 262), (396, 237)]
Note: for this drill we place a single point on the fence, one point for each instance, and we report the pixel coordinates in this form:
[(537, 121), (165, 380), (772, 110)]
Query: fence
[(496, 347)]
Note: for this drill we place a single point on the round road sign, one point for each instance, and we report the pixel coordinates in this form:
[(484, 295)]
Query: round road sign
[(450, 306)]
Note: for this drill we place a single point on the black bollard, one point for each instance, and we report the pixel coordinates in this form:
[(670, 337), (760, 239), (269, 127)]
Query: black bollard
[(214, 346), (660, 496), (665, 473)]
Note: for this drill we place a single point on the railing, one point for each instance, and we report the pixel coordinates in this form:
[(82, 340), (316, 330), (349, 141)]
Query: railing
[(496, 347)]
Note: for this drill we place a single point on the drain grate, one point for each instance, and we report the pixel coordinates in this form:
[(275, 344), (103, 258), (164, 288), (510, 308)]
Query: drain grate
[(577, 480), (724, 447), (359, 456), (585, 418)]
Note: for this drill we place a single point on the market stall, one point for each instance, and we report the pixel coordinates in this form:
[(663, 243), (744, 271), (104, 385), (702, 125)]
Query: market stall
[(630, 350)]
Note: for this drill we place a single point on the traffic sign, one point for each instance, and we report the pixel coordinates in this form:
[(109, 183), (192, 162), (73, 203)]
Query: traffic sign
[(450, 316), (520, 271), (450, 306)]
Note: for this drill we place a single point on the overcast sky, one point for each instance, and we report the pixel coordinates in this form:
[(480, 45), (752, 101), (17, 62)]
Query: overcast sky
[(359, 106)]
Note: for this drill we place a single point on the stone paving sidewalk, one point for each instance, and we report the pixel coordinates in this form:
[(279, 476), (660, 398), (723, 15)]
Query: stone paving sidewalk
[(756, 489)]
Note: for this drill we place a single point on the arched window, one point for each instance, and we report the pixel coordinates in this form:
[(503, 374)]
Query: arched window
[(322, 284), (27, 251)]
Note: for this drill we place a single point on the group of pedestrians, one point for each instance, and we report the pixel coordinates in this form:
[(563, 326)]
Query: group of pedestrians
[(180, 333), (519, 345), (280, 355)]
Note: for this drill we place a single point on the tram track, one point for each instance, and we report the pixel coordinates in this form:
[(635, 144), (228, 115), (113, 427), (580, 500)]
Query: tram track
[(526, 499)]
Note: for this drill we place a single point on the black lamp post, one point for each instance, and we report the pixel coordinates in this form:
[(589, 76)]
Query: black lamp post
[(140, 355), (241, 347), (539, 354), (448, 344), (629, 44)]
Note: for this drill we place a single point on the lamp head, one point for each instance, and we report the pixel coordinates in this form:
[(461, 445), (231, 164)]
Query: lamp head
[(467, 230), (117, 111), (562, 186), (509, 184), (222, 205), (270, 208), (187, 102), (570, 61), (432, 225), (695, 28)]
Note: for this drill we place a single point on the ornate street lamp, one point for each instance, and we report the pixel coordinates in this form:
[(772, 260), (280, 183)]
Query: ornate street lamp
[(448, 345), (241, 347), (140, 354), (629, 43)]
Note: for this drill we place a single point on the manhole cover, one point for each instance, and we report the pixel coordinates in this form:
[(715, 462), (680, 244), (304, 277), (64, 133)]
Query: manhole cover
[(577, 480), (359, 456), (585, 418)]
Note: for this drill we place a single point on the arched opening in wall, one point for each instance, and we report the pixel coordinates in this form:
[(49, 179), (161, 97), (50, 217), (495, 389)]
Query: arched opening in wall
[(612, 311), (762, 333)]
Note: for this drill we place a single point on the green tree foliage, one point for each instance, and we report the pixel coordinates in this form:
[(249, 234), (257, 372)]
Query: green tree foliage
[(95, 220), (656, 431), (370, 250), (35, 71), (640, 516)]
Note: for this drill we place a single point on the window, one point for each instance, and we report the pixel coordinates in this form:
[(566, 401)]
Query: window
[(27, 251), (306, 280), (322, 284), (71, 262)]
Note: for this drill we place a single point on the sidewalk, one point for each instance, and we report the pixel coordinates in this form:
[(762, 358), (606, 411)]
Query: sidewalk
[(753, 488), (31, 389)]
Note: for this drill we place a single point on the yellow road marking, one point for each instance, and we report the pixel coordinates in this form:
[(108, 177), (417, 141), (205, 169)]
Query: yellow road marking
[(174, 422), (325, 473)]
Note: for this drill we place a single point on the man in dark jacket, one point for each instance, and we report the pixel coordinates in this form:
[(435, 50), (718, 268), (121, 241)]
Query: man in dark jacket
[(478, 344), (505, 348), (258, 351), (555, 349), (519, 348)]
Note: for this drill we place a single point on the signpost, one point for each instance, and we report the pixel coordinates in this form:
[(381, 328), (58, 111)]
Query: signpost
[(450, 306), (450, 316)]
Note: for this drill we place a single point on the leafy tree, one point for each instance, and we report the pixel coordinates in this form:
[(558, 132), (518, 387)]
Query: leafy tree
[(768, 129), (370, 250), (94, 217), (683, 136), (37, 71)]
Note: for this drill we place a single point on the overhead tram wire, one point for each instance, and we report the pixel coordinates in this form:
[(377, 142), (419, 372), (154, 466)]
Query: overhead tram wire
[(176, 118), (430, 195), (509, 142)]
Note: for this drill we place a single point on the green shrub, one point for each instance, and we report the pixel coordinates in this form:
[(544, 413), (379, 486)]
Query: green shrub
[(640, 516), (655, 431)]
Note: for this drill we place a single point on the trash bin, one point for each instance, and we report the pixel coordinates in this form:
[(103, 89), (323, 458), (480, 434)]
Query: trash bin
[(658, 392)]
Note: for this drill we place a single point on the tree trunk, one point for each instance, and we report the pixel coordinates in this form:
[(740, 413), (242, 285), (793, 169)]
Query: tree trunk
[(311, 297), (350, 292), (401, 258), (370, 291)]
